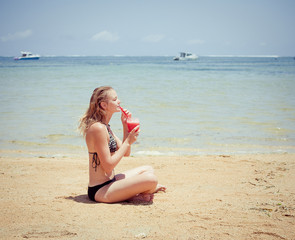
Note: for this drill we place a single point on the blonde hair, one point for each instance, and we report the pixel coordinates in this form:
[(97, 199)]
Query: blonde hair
[(95, 112)]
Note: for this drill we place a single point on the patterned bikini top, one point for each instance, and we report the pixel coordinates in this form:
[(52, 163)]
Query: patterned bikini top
[(112, 147), (112, 142)]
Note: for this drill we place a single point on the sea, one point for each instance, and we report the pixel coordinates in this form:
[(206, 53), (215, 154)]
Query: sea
[(214, 105)]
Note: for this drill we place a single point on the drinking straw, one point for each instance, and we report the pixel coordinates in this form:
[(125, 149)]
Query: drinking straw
[(124, 112)]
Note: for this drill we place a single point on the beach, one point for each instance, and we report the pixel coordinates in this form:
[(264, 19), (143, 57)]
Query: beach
[(218, 131), (246, 196)]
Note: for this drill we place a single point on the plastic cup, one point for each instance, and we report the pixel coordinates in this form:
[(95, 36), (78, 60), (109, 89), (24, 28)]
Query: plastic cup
[(132, 123)]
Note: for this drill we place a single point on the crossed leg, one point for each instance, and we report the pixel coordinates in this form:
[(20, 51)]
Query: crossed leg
[(135, 184), (148, 195), (140, 170)]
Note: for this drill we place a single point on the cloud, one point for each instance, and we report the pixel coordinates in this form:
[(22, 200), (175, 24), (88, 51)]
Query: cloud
[(105, 36), (262, 44), (154, 38), (227, 43), (195, 42), (17, 36)]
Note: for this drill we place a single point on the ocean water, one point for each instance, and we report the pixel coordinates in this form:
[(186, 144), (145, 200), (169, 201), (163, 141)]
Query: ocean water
[(215, 105)]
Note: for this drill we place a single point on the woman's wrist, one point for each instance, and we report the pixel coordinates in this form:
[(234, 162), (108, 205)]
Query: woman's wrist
[(125, 133), (127, 142)]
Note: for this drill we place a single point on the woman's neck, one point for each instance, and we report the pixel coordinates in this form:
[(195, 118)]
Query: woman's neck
[(106, 119)]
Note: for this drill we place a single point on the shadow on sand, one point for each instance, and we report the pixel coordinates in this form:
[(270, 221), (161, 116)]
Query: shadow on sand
[(84, 199)]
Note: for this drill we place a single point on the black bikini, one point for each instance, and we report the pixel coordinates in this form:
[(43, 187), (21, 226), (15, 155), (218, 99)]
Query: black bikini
[(95, 162), (92, 190)]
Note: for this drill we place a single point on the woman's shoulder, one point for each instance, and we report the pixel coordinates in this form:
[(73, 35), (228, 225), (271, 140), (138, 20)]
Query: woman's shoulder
[(96, 128), (96, 133)]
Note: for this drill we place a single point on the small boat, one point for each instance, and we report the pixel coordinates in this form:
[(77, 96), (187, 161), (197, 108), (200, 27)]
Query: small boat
[(27, 56), (185, 56)]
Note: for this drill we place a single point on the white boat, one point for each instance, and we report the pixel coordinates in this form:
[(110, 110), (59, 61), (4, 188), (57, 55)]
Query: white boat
[(27, 56), (186, 56)]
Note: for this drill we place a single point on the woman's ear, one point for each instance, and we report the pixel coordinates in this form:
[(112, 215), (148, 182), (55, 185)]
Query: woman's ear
[(103, 105)]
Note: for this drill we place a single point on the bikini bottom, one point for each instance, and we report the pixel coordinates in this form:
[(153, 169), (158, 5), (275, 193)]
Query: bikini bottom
[(92, 190)]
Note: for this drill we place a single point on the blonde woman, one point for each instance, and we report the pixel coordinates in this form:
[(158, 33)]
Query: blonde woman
[(106, 150)]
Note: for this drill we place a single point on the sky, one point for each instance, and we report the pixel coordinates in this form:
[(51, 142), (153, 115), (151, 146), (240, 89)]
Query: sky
[(147, 27)]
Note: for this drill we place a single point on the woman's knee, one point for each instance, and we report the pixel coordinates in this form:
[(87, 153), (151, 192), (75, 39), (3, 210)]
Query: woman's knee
[(147, 168), (150, 178)]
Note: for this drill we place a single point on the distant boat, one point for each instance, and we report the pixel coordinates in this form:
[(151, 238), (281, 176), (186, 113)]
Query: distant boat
[(27, 56), (185, 56)]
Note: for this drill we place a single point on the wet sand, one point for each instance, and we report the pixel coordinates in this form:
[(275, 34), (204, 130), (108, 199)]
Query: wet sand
[(207, 197)]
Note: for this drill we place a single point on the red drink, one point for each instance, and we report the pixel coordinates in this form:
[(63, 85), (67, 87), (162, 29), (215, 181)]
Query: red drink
[(132, 123)]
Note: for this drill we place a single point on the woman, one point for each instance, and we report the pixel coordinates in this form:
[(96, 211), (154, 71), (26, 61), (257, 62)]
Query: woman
[(106, 150)]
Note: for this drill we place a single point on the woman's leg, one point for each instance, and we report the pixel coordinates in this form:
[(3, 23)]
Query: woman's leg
[(127, 185), (140, 170), (135, 171)]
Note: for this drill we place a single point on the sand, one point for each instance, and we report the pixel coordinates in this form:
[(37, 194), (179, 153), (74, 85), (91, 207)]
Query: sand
[(208, 197)]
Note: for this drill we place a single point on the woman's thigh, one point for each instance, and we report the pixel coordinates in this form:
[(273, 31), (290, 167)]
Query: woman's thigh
[(125, 188), (135, 171)]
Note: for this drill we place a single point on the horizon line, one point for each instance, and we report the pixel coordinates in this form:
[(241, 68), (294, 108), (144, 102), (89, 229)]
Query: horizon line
[(120, 55)]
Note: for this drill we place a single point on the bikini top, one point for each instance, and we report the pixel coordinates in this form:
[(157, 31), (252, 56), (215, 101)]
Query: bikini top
[(112, 147), (112, 142)]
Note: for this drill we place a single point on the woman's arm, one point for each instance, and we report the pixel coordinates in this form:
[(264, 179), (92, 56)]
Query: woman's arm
[(125, 132), (119, 142), (97, 141)]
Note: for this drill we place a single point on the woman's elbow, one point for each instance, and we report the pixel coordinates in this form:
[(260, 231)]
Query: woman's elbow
[(108, 168)]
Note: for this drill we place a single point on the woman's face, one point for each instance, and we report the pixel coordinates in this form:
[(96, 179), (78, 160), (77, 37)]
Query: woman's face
[(113, 101)]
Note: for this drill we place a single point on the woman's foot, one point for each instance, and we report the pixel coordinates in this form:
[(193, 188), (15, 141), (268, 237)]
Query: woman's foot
[(160, 188), (142, 197)]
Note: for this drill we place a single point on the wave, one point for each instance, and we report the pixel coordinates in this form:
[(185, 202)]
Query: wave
[(155, 153), (245, 56)]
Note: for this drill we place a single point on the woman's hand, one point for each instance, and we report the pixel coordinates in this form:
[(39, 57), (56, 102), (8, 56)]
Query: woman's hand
[(132, 137), (124, 118)]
